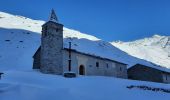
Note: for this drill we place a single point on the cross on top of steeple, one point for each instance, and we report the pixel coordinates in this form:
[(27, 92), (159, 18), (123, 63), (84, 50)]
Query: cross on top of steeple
[(53, 16)]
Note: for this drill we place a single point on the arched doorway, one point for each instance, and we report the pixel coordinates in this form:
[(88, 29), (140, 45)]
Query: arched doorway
[(81, 70)]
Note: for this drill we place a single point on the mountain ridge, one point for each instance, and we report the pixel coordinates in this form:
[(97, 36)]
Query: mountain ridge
[(155, 49)]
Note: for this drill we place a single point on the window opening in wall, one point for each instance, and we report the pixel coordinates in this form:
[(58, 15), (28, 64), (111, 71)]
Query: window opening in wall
[(97, 64), (166, 77), (57, 30), (120, 68), (107, 65)]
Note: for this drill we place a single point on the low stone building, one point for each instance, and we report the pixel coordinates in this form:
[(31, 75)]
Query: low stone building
[(52, 58), (147, 73)]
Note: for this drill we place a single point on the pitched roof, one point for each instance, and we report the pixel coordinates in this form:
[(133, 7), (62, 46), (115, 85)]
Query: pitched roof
[(162, 69), (53, 16), (73, 50)]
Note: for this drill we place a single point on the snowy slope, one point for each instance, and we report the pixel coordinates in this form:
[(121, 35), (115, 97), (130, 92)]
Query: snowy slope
[(155, 49), (29, 85), (20, 38)]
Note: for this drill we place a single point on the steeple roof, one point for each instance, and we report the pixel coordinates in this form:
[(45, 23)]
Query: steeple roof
[(53, 16)]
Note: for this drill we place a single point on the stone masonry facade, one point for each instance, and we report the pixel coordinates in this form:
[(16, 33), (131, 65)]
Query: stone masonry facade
[(52, 58)]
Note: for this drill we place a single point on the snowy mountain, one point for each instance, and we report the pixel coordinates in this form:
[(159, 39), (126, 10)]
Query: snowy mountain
[(20, 38), (155, 49)]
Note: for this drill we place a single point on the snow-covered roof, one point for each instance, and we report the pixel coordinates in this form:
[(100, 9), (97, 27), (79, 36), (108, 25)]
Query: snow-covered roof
[(88, 54)]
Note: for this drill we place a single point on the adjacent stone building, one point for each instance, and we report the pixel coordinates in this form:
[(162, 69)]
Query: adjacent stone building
[(52, 58), (147, 73)]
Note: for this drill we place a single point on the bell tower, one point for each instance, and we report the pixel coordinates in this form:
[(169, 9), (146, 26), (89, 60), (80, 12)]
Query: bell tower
[(52, 46)]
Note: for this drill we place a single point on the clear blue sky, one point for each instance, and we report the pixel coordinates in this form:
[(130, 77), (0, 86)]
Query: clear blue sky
[(109, 20)]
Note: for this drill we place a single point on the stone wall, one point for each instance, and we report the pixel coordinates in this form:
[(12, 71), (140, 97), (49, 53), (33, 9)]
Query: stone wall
[(144, 73), (105, 68), (166, 77), (121, 71), (36, 59), (51, 48)]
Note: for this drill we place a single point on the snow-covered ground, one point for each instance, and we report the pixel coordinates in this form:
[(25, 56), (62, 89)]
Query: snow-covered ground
[(20, 38), (32, 85)]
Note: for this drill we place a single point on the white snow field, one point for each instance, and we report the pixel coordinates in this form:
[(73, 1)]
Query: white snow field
[(20, 38), (30, 85)]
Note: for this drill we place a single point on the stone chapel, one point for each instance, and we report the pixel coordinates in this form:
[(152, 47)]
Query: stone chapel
[(52, 58)]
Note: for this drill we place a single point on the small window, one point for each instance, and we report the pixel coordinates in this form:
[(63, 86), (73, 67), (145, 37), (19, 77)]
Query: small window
[(90, 65), (120, 68), (57, 30), (107, 65), (166, 77), (97, 64)]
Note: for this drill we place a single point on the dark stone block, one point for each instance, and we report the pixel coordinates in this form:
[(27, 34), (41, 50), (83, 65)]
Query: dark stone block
[(69, 75)]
